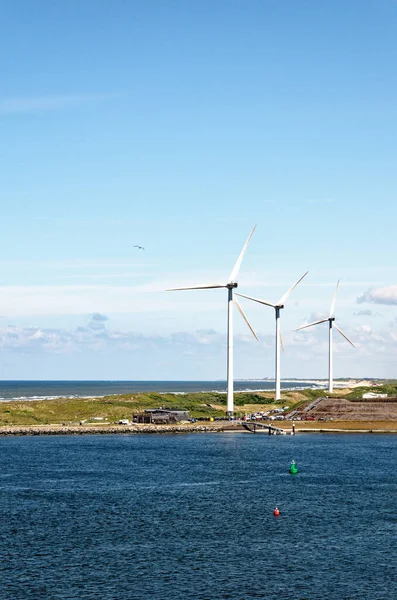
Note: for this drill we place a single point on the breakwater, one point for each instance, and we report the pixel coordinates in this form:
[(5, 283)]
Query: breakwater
[(223, 427), (116, 429)]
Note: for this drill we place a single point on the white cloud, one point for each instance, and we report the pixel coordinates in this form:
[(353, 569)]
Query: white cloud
[(382, 295)]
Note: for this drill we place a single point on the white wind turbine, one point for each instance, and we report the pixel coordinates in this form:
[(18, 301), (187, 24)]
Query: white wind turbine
[(277, 307), (331, 321), (230, 286)]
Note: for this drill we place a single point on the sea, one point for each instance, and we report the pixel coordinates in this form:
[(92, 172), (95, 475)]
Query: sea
[(190, 517), (39, 390)]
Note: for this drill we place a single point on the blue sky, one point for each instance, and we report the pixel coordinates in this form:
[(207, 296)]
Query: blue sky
[(178, 126)]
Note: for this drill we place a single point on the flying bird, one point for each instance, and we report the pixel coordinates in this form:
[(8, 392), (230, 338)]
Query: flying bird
[(139, 247)]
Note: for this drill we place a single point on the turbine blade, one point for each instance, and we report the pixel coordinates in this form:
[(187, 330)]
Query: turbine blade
[(282, 300), (311, 324), (242, 313), (257, 300), (197, 287), (331, 312), (234, 273), (281, 341), (345, 336)]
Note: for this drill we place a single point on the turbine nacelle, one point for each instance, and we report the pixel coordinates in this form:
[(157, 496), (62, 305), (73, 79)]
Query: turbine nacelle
[(281, 302)]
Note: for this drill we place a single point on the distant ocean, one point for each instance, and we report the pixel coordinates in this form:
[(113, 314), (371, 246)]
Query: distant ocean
[(37, 390)]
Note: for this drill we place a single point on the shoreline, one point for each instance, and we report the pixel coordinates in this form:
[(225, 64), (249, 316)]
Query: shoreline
[(182, 388), (61, 430)]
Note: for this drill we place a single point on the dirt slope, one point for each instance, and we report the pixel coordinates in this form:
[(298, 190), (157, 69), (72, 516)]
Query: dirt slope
[(348, 410)]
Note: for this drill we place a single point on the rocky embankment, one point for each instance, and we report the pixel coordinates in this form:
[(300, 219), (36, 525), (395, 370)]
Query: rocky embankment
[(119, 429)]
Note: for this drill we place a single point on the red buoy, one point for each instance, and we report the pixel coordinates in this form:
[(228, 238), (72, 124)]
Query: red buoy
[(276, 512)]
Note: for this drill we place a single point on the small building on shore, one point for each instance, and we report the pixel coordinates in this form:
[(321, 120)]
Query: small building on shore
[(161, 416)]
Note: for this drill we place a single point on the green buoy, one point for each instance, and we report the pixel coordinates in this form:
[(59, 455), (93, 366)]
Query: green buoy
[(293, 469)]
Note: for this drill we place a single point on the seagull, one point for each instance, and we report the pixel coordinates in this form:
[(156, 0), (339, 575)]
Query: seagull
[(139, 247)]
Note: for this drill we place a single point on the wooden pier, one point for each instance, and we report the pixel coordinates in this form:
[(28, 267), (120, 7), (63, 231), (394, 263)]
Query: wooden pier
[(254, 426)]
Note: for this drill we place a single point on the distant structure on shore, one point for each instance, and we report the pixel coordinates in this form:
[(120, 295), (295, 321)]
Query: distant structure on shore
[(161, 416)]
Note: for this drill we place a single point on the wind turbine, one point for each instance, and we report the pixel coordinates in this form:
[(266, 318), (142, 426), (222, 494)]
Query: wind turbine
[(277, 307), (331, 321), (230, 286)]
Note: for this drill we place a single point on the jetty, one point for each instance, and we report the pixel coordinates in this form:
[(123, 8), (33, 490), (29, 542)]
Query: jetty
[(254, 427)]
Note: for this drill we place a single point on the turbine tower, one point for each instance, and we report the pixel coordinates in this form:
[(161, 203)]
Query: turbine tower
[(277, 307), (332, 324), (230, 286)]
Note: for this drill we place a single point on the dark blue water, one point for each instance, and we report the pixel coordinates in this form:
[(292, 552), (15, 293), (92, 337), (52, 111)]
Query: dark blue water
[(191, 517), (11, 390)]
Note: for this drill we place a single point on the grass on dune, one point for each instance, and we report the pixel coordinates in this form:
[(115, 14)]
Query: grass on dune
[(388, 388), (113, 408), (203, 404)]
